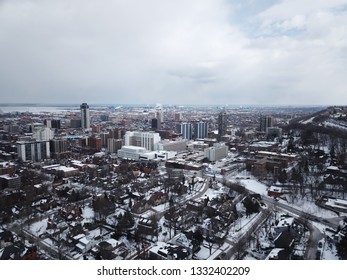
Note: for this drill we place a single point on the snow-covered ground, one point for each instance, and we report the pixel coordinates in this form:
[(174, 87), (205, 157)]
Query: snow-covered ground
[(236, 230)]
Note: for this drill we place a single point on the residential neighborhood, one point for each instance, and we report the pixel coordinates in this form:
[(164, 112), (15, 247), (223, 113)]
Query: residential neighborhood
[(83, 182)]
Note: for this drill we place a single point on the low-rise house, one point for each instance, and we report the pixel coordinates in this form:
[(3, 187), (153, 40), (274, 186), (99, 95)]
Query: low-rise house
[(6, 238), (18, 251), (158, 198), (85, 244), (284, 240), (110, 249), (275, 191), (147, 226), (278, 254), (141, 207), (167, 251), (285, 224)]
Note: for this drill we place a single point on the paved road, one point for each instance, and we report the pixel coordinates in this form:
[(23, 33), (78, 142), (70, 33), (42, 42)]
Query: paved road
[(307, 219)]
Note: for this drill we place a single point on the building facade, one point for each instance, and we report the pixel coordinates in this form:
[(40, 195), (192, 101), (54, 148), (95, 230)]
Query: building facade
[(131, 152), (177, 146), (44, 133), (200, 130), (58, 146), (266, 122), (222, 123), (85, 116), (147, 140), (113, 145), (217, 152), (186, 130), (33, 150)]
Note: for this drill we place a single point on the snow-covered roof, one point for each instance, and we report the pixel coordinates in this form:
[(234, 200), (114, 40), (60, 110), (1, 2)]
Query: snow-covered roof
[(285, 222), (274, 253), (113, 242)]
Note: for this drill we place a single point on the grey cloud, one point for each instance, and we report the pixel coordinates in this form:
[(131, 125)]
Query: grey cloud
[(172, 51)]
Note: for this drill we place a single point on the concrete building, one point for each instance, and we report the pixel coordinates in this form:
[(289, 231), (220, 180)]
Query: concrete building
[(147, 140), (160, 115), (8, 181), (186, 130), (43, 133), (178, 116), (274, 132), (177, 146), (158, 155), (222, 123), (156, 123), (113, 145), (75, 123), (131, 152), (58, 146), (217, 152), (33, 150), (200, 130), (55, 123), (266, 122), (85, 116)]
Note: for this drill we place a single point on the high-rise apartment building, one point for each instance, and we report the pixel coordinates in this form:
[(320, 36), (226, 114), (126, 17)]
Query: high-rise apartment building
[(113, 145), (266, 122), (222, 123), (186, 130), (200, 130), (156, 123), (85, 116), (160, 115), (33, 150), (178, 116), (58, 146), (52, 123)]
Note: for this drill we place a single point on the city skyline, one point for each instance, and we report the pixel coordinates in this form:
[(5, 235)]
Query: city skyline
[(198, 52)]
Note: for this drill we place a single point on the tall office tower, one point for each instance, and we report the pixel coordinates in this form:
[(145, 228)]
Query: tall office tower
[(160, 115), (33, 150), (156, 123), (201, 130), (222, 123), (85, 116), (178, 117), (186, 130), (266, 122)]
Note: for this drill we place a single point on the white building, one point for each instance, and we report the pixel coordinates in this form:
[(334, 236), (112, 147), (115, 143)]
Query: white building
[(177, 146), (44, 133), (147, 140), (217, 152), (160, 155), (186, 129), (131, 152), (33, 150)]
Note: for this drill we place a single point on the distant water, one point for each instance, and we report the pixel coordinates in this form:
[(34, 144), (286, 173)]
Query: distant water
[(37, 109)]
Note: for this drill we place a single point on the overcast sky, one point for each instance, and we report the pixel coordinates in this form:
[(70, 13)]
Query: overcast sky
[(266, 52)]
